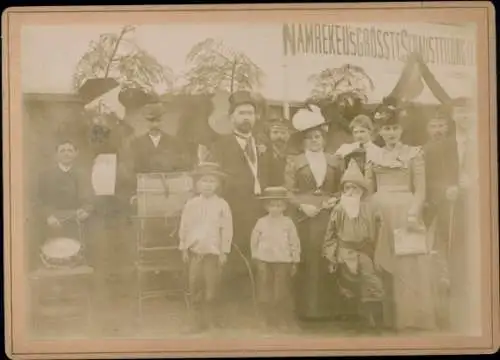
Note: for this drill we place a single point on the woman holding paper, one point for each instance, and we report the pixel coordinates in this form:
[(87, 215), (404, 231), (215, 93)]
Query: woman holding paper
[(397, 178)]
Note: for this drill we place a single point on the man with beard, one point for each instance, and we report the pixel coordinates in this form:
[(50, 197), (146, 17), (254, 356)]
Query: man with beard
[(275, 155), (238, 157), (441, 169)]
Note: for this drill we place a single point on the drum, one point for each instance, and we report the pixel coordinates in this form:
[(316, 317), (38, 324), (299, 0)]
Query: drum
[(62, 252)]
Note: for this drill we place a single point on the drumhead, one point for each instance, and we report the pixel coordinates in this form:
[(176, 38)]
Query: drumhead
[(61, 248)]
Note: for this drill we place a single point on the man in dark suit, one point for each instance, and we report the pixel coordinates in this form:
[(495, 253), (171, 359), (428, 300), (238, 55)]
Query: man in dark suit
[(442, 178), (276, 152), (157, 151), (238, 156)]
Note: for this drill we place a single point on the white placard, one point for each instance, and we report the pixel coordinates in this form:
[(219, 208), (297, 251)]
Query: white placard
[(104, 174)]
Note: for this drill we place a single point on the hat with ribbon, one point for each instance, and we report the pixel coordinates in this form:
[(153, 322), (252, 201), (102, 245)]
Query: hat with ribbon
[(275, 193), (208, 168), (308, 118), (353, 175), (94, 88)]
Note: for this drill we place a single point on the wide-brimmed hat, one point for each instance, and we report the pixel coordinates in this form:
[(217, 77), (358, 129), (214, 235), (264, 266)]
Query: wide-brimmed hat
[(308, 118), (353, 174), (275, 193), (208, 168)]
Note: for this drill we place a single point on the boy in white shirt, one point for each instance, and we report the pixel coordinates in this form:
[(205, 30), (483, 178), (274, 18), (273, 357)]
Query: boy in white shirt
[(206, 233), (276, 250)]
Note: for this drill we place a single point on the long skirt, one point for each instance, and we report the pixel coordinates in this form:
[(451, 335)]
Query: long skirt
[(314, 287), (407, 279)]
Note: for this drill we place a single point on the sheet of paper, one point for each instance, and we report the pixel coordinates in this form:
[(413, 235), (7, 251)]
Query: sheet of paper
[(104, 174)]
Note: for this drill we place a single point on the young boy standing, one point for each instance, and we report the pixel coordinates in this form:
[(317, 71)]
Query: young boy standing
[(275, 248), (349, 245), (206, 233)]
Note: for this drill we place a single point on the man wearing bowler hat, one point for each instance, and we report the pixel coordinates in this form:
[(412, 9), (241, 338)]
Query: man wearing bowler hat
[(238, 155)]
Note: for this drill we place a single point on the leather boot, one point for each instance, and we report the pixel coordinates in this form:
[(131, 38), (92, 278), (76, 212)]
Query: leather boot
[(377, 313)]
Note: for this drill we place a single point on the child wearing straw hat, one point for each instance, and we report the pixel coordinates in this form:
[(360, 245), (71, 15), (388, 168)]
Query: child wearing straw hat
[(349, 244), (275, 248), (206, 233)]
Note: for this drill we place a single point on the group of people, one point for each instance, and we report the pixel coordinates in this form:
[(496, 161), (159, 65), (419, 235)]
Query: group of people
[(324, 234)]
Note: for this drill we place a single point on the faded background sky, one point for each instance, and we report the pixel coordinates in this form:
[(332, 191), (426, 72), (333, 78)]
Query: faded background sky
[(51, 53)]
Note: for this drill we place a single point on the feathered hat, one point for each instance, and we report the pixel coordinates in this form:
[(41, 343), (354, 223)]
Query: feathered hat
[(308, 118), (353, 174), (387, 113)]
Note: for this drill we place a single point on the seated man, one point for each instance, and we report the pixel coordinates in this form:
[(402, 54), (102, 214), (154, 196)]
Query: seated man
[(65, 194)]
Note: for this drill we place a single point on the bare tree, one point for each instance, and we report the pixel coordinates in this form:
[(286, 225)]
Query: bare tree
[(343, 83), (216, 66), (119, 56)]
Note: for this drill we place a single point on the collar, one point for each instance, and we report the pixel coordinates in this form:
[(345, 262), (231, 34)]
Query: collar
[(64, 168), (242, 136), (398, 146), (154, 136), (314, 154)]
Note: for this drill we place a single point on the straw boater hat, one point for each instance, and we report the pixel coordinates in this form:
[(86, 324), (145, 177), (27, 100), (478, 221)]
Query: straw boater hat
[(308, 118), (209, 168), (275, 193), (353, 174)]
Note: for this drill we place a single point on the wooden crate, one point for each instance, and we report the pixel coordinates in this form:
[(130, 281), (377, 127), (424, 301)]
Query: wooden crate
[(163, 194)]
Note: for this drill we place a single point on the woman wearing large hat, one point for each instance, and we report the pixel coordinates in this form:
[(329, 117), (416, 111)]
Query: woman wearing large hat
[(313, 179)]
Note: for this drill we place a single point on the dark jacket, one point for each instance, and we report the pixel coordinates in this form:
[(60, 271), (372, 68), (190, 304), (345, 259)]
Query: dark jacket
[(273, 168), (60, 191), (169, 156)]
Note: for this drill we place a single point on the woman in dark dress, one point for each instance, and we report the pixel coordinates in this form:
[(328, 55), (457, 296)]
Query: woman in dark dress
[(313, 179)]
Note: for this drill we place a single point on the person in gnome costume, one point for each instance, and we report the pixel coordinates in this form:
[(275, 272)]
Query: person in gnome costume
[(397, 179), (349, 244), (238, 156), (274, 157), (206, 233), (313, 178), (276, 251)]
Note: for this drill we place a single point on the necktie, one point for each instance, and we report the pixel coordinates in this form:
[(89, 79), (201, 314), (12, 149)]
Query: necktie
[(250, 151)]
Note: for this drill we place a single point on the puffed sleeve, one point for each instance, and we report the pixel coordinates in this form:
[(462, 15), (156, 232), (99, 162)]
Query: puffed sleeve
[(417, 168)]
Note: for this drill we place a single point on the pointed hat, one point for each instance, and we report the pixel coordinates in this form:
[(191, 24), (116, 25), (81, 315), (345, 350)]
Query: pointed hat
[(353, 174)]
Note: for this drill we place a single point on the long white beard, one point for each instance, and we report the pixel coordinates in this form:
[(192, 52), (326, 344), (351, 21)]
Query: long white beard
[(351, 205)]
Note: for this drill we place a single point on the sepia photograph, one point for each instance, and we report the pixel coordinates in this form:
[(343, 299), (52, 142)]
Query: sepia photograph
[(205, 178)]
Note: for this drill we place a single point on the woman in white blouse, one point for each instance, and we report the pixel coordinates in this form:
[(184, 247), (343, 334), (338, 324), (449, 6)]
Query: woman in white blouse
[(313, 179)]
